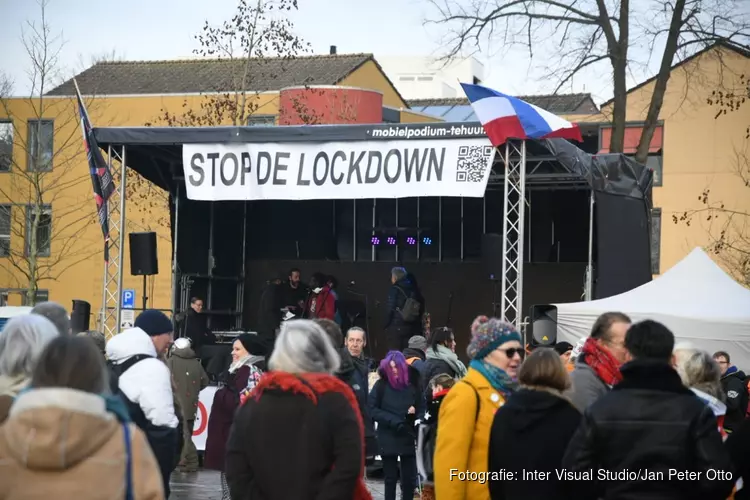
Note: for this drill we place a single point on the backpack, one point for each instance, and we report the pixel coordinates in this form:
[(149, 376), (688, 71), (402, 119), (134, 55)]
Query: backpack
[(410, 310), (427, 442), (116, 371)]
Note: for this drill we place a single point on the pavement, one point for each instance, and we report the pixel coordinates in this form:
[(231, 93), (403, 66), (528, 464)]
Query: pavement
[(206, 485)]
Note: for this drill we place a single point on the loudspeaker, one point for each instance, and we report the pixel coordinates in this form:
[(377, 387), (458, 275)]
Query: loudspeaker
[(79, 317), (492, 256), (143, 259), (544, 325)]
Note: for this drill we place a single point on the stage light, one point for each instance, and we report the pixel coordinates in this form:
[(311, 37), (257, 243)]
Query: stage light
[(427, 241), (411, 241), (391, 240), (375, 240)]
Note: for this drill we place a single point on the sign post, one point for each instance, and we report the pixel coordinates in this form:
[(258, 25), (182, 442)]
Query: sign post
[(127, 315)]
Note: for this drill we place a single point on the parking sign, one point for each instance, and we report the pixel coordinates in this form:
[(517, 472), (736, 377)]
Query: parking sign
[(128, 299)]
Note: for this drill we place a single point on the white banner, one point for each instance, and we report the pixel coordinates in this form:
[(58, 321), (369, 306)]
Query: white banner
[(337, 170), (200, 429)]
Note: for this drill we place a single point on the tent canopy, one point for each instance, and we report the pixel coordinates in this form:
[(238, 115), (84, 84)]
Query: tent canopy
[(696, 299)]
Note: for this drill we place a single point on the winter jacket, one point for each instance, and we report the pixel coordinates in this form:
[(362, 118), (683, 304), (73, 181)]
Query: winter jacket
[(146, 388), (396, 299), (194, 327), (649, 422), (62, 443), (297, 437), (324, 304), (396, 431), (586, 387), (735, 388), (225, 404), (189, 380), (463, 437), (356, 379), (738, 444), (415, 358), (532, 420), (9, 389)]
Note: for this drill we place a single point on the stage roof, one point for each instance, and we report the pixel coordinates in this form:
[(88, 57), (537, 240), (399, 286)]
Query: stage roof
[(156, 152)]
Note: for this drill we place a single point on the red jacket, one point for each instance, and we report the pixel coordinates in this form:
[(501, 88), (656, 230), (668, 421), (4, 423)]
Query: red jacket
[(325, 305)]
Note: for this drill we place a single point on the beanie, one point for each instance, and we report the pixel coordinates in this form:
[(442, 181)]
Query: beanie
[(253, 344), (418, 342), (154, 322), (487, 334), (563, 347)]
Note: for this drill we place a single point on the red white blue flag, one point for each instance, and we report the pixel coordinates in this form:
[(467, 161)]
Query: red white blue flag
[(101, 178), (505, 117)]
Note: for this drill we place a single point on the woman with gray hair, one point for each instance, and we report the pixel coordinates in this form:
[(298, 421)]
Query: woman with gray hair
[(702, 375), (300, 421)]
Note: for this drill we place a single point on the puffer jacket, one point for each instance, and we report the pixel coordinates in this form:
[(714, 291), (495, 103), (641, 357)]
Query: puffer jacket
[(62, 443)]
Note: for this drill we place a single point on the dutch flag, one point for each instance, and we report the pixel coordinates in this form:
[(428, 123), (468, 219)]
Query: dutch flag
[(504, 117)]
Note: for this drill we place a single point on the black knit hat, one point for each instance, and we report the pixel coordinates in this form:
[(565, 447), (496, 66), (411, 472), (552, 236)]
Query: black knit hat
[(154, 322), (563, 347), (253, 344)]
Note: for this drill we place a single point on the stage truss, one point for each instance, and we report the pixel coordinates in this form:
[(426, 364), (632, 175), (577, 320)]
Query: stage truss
[(514, 204)]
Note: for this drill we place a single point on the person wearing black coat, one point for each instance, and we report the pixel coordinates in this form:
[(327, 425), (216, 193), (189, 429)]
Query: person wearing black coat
[(532, 430), (397, 330), (738, 444), (648, 425), (396, 404), (734, 384)]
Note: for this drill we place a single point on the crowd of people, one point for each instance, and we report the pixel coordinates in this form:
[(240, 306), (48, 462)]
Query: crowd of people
[(624, 414)]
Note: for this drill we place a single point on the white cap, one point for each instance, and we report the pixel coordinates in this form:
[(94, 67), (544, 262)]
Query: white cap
[(182, 343)]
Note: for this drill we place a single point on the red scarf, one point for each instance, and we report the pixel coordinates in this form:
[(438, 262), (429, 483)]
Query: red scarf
[(600, 360), (311, 385)]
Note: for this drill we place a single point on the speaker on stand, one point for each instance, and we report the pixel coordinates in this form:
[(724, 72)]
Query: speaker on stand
[(543, 325), (143, 258), (492, 263), (80, 316)]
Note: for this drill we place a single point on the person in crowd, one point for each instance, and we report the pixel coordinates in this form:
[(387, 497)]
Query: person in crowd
[(441, 357), (22, 340), (194, 326), (145, 384), (57, 314), (189, 380), (355, 341), (247, 351), (321, 303), (416, 352), (532, 430), (299, 434), (269, 312), (467, 412), (99, 340), (651, 423), (701, 374), (62, 440), (426, 440), (396, 404), (735, 390), (564, 350), (404, 310), (293, 294), (597, 367), (738, 444)]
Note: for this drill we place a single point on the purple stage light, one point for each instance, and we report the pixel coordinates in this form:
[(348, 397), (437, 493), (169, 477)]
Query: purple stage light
[(375, 240), (411, 241), (391, 240)]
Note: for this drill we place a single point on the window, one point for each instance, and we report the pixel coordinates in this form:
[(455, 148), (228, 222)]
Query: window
[(655, 240), (39, 296), (261, 120), (5, 226), (41, 141), (424, 79), (654, 162), (6, 145), (406, 78), (43, 231)]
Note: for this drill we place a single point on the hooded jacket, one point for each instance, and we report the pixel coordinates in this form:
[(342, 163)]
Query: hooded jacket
[(62, 443), (531, 433), (733, 383), (189, 379)]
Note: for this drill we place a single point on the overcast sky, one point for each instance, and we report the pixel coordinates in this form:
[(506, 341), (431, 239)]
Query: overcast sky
[(165, 29)]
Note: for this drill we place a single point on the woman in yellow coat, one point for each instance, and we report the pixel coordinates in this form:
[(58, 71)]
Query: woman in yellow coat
[(467, 412)]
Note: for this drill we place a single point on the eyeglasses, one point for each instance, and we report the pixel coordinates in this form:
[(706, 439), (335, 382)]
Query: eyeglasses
[(512, 351)]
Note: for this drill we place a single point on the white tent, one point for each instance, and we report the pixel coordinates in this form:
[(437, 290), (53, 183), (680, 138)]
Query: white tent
[(695, 299)]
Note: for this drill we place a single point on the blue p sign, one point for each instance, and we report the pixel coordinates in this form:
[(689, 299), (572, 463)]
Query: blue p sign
[(128, 299)]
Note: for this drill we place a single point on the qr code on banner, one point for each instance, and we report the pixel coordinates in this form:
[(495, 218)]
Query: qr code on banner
[(472, 163)]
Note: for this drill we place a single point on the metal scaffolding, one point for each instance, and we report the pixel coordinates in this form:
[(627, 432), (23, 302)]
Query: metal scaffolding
[(514, 204), (109, 318)]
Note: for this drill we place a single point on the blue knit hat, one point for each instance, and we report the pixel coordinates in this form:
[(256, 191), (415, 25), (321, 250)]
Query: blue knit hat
[(487, 334), (154, 322)]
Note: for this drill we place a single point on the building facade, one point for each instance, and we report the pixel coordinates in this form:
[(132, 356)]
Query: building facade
[(418, 77)]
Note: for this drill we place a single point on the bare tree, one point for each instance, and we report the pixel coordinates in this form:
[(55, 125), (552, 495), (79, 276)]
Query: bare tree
[(728, 227), (44, 163), (589, 32)]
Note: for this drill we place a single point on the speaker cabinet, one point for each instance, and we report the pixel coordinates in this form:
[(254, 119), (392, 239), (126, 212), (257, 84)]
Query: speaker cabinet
[(79, 317), (143, 259), (492, 256), (544, 325)]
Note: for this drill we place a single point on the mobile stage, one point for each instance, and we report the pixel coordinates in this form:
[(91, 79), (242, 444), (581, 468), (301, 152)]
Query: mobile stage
[(473, 223)]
